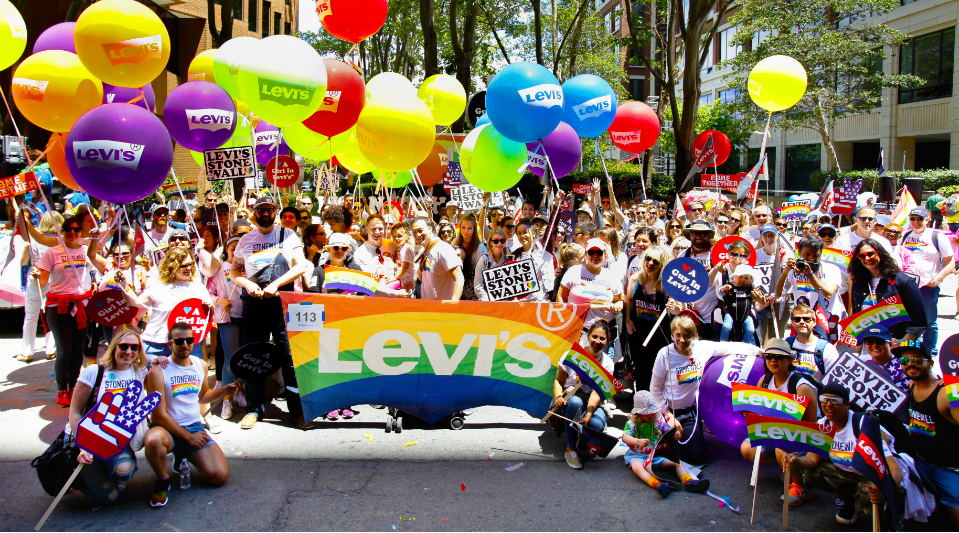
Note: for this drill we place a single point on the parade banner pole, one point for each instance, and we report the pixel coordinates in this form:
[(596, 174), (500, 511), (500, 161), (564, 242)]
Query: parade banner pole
[(552, 412), (754, 480), (786, 497)]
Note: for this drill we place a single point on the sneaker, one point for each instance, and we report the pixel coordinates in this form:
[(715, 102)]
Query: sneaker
[(347, 414), (248, 421), (63, 398), (699, 486), (303, 423), (210, 424), (333, 415), (161, 489), (664, 489), (226, 410), (240, 399), (847, 515), (607, 408), (798, 495), (572, 459)]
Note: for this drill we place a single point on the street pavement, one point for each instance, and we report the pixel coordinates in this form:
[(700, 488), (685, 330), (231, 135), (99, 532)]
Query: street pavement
[(503, 471)]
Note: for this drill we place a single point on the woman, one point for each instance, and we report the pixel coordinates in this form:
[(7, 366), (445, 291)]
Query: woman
[(65, 271), (115, 269), (559, 239), (569, 254), (211, 239), (674, 231), (735, 226), (677, 372), (617, 261), (722, 225), (178, 280), (124, 361), (679, 247), (875, 277), (446, 232), (227, 315), (495, 256), (469, 240), (314, 239), (645, 302), (642, 240), (596, 286), (34, 295)]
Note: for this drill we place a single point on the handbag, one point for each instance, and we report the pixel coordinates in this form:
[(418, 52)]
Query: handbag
[(275, 270)]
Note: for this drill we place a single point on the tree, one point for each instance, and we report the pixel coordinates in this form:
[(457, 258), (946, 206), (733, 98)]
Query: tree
[(716, 116), (843, 59), (225, 33)]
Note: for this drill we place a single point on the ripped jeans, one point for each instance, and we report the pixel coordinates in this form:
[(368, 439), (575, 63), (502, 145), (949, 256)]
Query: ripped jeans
[(98, 481)]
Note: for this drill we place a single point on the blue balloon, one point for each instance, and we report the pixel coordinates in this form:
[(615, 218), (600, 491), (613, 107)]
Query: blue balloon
[(482, 120), (793, 197), (524, 102), (590, 105)]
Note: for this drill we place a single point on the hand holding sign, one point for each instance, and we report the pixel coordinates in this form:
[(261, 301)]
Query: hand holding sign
[(107, 429), (684, 280), (192, 311)]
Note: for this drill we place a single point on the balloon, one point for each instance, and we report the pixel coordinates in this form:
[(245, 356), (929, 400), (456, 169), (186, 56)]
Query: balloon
[(590, 105), (563, 149), (199, 115), (490, 160), (635, 128), (716, 398), (13, 34), (57, 159), (283, 80), (201, 68), (777, 83), (484, 119), (396, 131), (388, 82), (792, 197), (56, 37), (266, 143), (351, 157), (52, 89), (312, 145), (122, 42), (345, 98), (433, 169), (721, 145), (352, 20), (124, 95), (241, 137), (394, 180), (329, 148), (120, 153), (226, 63), (525, 102), (445, 96)]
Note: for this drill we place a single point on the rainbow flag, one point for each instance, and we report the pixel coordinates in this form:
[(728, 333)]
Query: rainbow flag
[(922, 427), (790, 435), (837, 257), (887, 312), (349, 280), (591, 373), (762, 401), (952, 390)]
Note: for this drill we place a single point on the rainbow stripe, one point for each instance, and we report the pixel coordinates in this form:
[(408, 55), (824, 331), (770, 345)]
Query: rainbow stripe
[(591, 373), (349, 280), (927, 429), (747, 398), (646, 314), (913, 246), (841, 458), (837, 257), (692, 374), (887, 312), (952, 390), (76, 262), (805, 286), (185, 388), (790, 435)]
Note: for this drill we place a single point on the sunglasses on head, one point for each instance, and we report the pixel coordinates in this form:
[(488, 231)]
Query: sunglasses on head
[(867, 255), (340, 248), (914, 360), (655, 262), (181, 342), (124, 347), (594, 252), (833, 400), (799, 319)]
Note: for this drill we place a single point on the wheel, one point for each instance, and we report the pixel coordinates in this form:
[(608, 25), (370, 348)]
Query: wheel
[(457, 423), (398, 426), (389, 424)]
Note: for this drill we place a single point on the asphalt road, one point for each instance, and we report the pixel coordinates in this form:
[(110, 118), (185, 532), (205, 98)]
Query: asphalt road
[(351, 475)]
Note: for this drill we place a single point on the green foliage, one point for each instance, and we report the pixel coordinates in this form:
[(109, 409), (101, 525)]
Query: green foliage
[(934, 179)]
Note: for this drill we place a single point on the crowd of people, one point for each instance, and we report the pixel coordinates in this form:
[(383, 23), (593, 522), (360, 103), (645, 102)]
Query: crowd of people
[(236, 255)]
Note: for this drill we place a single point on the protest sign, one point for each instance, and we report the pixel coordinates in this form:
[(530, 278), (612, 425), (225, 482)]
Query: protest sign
[(19, 184), (869, 385), (790, 435), (765, 274), (665, 443), (110, 308), (229, 163), (685, 280), (795, 210), (598, 443), (191, 312), (726, 182), (887, 312), (512, 280), (497, 199), (476, 107), (283, 171), (329, 180), (453, 177), (467, 196), (763, 401), (348, 280), (591, 373), (431, 358), (837, 257), (582, 188), (256, 360), (188, 185), (106, 429), (720, 251)]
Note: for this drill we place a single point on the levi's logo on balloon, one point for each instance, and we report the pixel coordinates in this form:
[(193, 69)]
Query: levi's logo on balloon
[(107, 155), (535, 160), (29, 89), (19, 30), (134, 51), (209, 119), (331, 102), (370, 141), (625, 136), (323, 9), (594, 108), (267, 138), (285, 92), (196, 76), (544, 95)]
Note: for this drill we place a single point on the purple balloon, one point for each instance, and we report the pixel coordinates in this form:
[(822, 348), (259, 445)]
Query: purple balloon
[(716, 394), (122, 95), (120, 153), (563, 148), (56, 37), (266, 149), (199, 115)]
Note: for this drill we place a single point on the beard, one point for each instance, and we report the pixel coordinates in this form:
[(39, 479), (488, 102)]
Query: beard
[(923, 374), (264, 221)]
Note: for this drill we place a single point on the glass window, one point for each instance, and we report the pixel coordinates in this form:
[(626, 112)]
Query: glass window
[(287, 30), (855, 17), (727, 50), (931, 58), (276, 23), (265, 22), (706, 99), (729, 96), (636, 89), (251, 15), (172, 23), (617, 19)]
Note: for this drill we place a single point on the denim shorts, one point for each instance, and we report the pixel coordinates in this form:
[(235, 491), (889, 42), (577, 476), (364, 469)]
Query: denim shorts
[(946, 481), (631, 456), (182, 449)]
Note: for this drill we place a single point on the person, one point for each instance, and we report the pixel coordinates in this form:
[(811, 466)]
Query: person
[(594, 285), (722, 225), (370, 256), (865, 221), (159, 232), (290, 218), (508, 225), (641, 241), (468, 239), (177, 424), (559, 237), (933, 426), (177, 281), (228, 316), (837, 475), (700, 235), (642, 434), (813, 355), (617, 260), (697, 211), (736, 218), (679, 247), (876, 341), (453, 212), (875, 277), (762, 215), (827, 234), (645, 303), (583, 214), (677, 373), (495, 256), (440, 269), (947, 205), (339, 219), (811, 282), (314, 239), (34, 295), (932, 255), (739, 303), (66, 273), (932, 206), (405, 255), (674, 231), (583, 232), (447, 232), (123, 362), (543, 264), (241, 227)]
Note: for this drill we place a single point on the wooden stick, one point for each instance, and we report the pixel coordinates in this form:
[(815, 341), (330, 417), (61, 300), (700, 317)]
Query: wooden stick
[(655, 327), (875, 517), (565, 397), (754, 480), (786, 497), (56, 500)]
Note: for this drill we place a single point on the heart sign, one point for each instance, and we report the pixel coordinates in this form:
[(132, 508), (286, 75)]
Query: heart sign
[(191, 311), (721, 250), (685, 280), (109, 308)]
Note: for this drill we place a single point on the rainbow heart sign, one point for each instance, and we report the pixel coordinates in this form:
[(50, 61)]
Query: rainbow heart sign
[(789, 435), (191, 312), (887, 312), (685, 280), (591, 373), (429, 358), (762, 401)]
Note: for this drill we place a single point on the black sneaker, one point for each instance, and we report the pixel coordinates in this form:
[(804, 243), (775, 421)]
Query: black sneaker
[(847, 515), (664, 489), (699, 486), (161, 490)]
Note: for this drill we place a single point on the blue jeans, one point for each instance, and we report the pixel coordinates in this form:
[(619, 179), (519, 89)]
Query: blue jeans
[(945, 480), (230, 340), (749, 329), (930, 303), (98, 481), (574, 411)]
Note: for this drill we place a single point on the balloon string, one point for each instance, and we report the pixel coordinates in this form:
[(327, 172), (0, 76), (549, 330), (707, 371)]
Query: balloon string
[(138, 98)]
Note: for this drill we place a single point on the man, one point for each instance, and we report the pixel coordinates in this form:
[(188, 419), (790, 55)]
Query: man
[(814, 355), (950, 204), (223, 220), (931, 254), (177, 423), (290, 218), (453, 212), (241, 227), (159, 233), (827, 234), (932, 206), (368, 256), (262, 309), (811, 282), (876, 341), (762, 215), (507, 225), (879, 230), (529, 210), (440, 268), (865, 221), (933, 426), (583, 233), (695, 212), (700, 235)]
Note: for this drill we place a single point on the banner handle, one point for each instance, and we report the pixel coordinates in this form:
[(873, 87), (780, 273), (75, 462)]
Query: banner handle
[(785, 496), (754, 481), (566, 396)]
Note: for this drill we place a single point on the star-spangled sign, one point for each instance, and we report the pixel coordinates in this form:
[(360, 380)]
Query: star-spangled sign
[(107, 429)]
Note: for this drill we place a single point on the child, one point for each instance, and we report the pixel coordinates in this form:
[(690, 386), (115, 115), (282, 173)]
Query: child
[(738, 305), (644, 429), (404, 254)]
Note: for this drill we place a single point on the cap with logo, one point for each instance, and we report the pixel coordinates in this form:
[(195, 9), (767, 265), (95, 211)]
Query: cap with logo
[(911, 346), (875, 332)]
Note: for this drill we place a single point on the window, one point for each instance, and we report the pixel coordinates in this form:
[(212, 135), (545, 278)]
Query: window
[(265, 21), (251, 15), (727, 50), (931, 58), (706, 99), (608, 20), (728, 96), (759, 37), (636, 89), (286, 28), (617, 19), (600, 4), (708, 63), (172, 24), (855, 17), (276, 23)]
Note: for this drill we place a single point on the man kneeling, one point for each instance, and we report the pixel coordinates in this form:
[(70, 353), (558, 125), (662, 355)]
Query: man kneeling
[(177, 424)]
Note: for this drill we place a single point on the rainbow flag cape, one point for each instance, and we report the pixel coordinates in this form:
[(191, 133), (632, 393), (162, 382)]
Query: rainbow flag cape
[(350, 280), (790, 435), (887, 312), (837, 257), (591, 373), (762, 401)]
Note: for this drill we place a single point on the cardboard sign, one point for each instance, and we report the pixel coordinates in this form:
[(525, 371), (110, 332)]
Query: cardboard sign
[(765, 274), (328, 181), (512, 280), (110, 308), (283, 171), (795, 210), (726, 182), (567, 218), (591, 373), (256, 360), (869, 385), (476, 107), (763, 401), (790, 435), (467, 196), (685, 280), (721, 250), (497, 199), (229, 163), (887, 312), (107, 429), (191, 312), (582, 188), (19, 184)]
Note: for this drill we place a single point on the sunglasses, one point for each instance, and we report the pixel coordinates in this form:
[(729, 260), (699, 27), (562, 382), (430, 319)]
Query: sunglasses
[(511, 226), (738, 256), (697, 208), (700, 234), (828, 234), (595, 253), (866, 219), (906, 361), (916, 219), (723, 222), (446, 232), (269, 211), (187, 266), (122, 254), (340, 248), (124, 347), (775, 357), (675, 226), (181, 342), (655, 262), (499, 241), (179, 239), (832, 400), (737, 219), (780, 225), (867, 255), (799, 319)]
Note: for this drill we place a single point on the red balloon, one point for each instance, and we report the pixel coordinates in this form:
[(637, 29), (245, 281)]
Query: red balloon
[(352, 20), (635, 128), (720, 142), (433, 169), (345, 98)]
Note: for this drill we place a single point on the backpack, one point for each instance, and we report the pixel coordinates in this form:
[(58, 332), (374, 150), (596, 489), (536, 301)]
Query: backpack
[(817, 355)]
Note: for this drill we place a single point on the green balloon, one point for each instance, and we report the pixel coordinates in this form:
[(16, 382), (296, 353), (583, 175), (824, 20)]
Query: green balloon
[(394, 181), (491, 161), (226, 63)]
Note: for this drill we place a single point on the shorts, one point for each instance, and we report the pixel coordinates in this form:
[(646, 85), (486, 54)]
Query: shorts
[(182, 449), (658, 460), (830, 478), (946, 481)]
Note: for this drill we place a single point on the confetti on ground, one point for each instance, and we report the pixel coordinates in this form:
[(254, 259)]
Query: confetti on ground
[(369, 438), (267, 438), (511, 467), (407, 519), (463, 486), (410, 443), (444, 519), (241, 453)]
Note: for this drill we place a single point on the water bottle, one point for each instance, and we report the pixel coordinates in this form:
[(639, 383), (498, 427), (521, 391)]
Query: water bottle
[(184, 472)]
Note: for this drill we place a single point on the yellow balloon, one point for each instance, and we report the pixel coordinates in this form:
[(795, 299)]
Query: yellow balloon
[(388, 82), (445, 96), (777, 83), (122, 42), (396, 131), (312, 145), (201, 68), (13, 34), (52, 89), (350, 155)]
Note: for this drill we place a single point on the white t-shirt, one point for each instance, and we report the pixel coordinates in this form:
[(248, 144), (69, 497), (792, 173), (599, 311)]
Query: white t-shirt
[(676, 377), (801, 287), (438, 281), (844, 445), (63, 266), (785, 386), (165, 297), (257, 250), (182, 386), (115, 381), (407, 255), (926, 258), (806, 357), (370, 259), (752, 235), (158, 239), (849, 241), (587, 288), (705, 305)]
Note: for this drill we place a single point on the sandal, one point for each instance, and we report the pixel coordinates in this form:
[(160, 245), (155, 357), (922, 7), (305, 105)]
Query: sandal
[(23, 358)]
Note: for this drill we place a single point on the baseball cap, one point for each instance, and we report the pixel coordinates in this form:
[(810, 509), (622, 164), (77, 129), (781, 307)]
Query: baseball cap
[(919, 211), (826, 226), (595, 243), (265, 200), (452, 203), (911, 346), (159, 207), (768, 228), (339, 239), (178, 233), (584, 209), (835, 389), (875, 332), (883, 220), (222, 207), (778, 346)]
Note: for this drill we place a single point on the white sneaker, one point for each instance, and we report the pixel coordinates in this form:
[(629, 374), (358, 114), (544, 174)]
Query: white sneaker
[(210, 424), (240, 399), (226, 410)]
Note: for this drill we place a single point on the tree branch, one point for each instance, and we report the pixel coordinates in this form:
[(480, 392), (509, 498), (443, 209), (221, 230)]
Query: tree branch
[(566, 33), (489, 24)]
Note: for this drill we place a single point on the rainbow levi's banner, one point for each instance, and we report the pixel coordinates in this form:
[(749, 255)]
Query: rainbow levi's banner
[(591, 373), (429, 358), (347, 279), (790, 435), (840, 258), (887, 312), (762, 401)]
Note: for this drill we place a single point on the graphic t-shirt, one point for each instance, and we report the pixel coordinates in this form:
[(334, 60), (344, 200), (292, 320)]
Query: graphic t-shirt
[(925, 256), (165, 297), (373, 261), (844, 445), (181, 386), (805, 361), (801, 287), (257, 250), (115, 381), (587, 288), (438, 282), (653, 431), (922, 424), (63, 266)]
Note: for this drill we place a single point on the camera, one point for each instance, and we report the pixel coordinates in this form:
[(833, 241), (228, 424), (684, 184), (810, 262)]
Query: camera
[(801, 265)]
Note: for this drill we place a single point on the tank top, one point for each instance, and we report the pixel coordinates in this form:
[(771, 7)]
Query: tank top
[(933, 434), (182, 386)]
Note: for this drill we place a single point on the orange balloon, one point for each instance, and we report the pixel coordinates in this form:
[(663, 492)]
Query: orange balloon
[(56, 156), (433, 168)]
